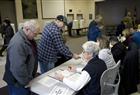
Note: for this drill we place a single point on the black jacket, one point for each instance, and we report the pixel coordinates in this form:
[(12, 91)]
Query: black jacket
[(129, 72), (95, 68), (8, 33), (118, 51)]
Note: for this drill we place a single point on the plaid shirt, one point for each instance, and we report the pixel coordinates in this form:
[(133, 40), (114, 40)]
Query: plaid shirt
[(51, 43)]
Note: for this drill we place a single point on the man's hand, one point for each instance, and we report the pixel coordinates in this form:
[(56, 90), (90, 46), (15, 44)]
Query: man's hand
[(76, 56)]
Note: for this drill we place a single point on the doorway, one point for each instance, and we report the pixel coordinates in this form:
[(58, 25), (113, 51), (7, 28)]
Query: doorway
[(8, 10)]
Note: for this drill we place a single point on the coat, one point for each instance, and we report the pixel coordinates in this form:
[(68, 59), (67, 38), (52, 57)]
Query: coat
[(93, 31), (8, 33), (21, 63), (129, 72)]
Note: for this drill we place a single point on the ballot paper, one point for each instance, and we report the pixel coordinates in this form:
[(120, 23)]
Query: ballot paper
[(58, 90), (65, 73), (74, 77), (48, 81)]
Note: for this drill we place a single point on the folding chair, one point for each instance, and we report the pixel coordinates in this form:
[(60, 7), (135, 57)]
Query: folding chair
[(110, 80)]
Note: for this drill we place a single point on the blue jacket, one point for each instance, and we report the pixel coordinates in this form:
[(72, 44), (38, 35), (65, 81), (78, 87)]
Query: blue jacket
[(136, 38), (93, 31)]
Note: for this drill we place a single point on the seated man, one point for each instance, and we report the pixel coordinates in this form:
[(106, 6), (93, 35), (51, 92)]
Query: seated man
[(90, 74), (118, 49)]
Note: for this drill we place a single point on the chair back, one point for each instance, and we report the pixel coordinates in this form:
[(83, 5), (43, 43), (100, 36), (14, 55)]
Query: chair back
[(108, 83)]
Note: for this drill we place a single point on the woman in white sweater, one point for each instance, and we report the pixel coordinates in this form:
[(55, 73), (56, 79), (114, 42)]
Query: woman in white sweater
[(105, 53)]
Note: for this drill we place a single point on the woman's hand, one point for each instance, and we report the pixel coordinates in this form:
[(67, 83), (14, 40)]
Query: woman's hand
[(59, 76), (72, 68)]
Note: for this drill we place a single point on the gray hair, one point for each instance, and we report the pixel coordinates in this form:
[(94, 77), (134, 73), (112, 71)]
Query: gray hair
[(31, 24), (91, 47)]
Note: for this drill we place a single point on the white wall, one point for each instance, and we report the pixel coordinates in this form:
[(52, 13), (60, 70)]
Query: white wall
[(84, 7), (78, 6), (52, 8)]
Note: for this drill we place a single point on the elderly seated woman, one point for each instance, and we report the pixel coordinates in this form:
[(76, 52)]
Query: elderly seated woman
[(90, 74)]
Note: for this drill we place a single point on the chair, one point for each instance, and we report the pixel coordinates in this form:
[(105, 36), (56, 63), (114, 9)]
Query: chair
[(110, 80)]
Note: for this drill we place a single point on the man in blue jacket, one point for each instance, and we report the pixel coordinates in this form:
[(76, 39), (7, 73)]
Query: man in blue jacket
[(94, 29)]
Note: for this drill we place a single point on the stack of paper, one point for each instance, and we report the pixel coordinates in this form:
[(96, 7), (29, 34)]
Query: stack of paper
[(65, 73), (48, 81), (58, 90), (74, 77)]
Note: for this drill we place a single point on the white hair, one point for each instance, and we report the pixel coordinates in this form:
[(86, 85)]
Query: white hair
[(91, 47), (31, 24)]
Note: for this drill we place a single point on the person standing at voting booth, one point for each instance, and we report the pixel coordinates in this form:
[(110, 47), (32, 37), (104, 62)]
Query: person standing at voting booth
[(51, 44), (21, 60)]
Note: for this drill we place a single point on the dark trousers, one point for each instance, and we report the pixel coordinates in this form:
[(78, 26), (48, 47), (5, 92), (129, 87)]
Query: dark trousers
[(18, 90), (3, 49), (69, 32), (78, 33), (61, 59)]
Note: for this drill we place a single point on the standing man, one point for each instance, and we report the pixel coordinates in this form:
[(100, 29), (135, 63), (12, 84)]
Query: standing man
[(7, 34), (94, 29), (21, 61), (69, 26), (51, 44)]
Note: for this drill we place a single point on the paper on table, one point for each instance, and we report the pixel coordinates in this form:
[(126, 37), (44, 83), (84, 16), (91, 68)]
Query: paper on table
[(48, 81), (58, 90), (74, 77), (65, 73)]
